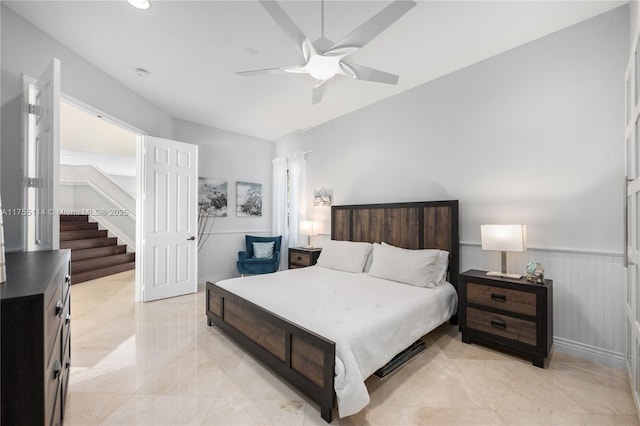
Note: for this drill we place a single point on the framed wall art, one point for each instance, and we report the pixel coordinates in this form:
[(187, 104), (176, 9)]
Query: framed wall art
[(249, 199)]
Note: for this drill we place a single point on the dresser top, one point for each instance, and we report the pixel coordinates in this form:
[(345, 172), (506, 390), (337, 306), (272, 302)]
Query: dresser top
[(28, 273)]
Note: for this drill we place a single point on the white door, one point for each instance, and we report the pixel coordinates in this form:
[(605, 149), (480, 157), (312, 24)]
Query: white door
[(169, 218), (632, 215), (42, 152)]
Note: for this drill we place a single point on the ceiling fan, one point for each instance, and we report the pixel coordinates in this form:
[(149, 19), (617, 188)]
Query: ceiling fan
[(324, 59)]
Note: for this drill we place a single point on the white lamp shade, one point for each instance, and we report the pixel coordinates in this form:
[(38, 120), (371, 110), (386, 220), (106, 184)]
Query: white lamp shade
[(504, 237), (308, 227)]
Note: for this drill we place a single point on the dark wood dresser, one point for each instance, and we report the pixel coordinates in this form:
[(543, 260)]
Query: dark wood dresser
[(301, 257), (514, 315), (35, 338)]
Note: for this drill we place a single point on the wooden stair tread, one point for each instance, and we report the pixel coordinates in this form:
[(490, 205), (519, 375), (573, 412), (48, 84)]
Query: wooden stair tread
[(101, 262), (74, 218), (93, 253), (102, 272), (80, 235), (78, 226), (88, 243), (90, 253)]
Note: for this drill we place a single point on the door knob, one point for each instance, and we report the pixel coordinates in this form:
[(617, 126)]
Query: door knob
[(191, 239)]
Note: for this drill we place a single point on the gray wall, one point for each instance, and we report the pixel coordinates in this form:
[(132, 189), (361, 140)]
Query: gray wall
[(534, 135), (234, 157), (25, 49), (529, 136)]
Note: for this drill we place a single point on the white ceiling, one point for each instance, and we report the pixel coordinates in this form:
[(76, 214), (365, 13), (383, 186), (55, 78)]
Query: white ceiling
[(192, 50), (82, 131)]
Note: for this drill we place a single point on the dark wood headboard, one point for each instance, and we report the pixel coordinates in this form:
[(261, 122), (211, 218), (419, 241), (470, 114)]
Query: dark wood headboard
[(418, 225)]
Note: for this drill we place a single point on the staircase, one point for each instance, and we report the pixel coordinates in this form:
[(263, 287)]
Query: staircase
[(93, 254)]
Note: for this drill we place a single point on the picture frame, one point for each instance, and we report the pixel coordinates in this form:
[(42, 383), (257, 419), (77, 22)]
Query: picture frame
[(248, 199)]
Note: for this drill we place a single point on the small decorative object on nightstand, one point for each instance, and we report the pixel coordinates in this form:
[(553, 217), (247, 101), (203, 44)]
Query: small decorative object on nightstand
[(509, 314), (301, 257), (535, 272)]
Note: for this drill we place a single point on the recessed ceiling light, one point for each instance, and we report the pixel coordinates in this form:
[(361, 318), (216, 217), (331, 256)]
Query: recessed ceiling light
[(142, 72), (140, 4)]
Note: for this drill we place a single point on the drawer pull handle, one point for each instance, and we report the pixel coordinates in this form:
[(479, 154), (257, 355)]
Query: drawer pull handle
[(68, 363), (498, 323), (57, 369), (67, 319), (298, 258), (498, 297), (67, 278), (59, 307)]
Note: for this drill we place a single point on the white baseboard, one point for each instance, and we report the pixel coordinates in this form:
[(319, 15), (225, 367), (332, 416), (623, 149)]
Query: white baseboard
[(590, 353)]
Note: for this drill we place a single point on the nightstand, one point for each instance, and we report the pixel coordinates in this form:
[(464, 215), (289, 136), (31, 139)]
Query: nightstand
[(300, 257), (508, 314)]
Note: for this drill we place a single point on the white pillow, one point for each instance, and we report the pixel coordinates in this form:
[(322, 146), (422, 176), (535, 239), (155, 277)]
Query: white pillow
[(263, 250), (369, 261), (415, 267), (441, 267), (347, 256)]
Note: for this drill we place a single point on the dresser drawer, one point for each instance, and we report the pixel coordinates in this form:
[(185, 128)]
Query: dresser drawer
[(302, 259), (54, 371), (502, 298), (66, 320), (53, 314), (502, 325), (66, 283)]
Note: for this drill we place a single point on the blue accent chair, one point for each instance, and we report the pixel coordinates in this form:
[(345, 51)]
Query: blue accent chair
[(249, 265)]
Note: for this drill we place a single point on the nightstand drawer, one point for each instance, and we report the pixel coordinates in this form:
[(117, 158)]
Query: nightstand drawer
[(502, 325), (303, 259), (502, 298)]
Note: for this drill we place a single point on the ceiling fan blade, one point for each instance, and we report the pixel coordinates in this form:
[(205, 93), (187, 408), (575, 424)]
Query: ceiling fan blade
[(360, 72), (286, 24), (374, 26), (267, 71), (318, 91)]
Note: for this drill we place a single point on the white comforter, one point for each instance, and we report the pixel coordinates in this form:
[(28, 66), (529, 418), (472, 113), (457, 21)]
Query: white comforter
[(369, 319)]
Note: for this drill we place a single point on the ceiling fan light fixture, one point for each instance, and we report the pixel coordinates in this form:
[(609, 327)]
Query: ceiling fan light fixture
[(322, 67), (140, 4)]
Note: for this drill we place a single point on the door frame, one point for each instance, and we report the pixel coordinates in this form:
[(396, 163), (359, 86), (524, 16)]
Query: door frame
[(140, 134), (75, 102)]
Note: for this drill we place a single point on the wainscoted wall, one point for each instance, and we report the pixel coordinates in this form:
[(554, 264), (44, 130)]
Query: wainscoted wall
[(588, 297), (515, 139), (217, 258)]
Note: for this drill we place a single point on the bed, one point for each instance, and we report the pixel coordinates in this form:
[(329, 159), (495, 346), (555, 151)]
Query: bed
[(302, 349)]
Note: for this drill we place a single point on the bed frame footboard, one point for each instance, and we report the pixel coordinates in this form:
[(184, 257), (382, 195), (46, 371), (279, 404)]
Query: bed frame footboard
[(305, 359)]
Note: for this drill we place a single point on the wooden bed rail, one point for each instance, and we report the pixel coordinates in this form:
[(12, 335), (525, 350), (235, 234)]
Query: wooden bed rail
[(303, 358)]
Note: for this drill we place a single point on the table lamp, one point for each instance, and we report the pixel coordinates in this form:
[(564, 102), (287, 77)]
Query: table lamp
[(308, 227), (504, 238)]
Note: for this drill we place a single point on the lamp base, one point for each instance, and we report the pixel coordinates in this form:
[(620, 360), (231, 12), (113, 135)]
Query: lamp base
[(504, 275)]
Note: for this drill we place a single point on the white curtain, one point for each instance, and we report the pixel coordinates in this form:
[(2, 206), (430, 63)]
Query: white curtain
[(297, 173), (279, 225)]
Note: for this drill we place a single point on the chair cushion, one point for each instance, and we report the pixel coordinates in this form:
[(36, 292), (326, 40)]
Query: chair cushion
[(263, 250)]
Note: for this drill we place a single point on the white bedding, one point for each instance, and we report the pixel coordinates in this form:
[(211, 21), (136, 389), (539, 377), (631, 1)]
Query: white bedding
[(369, 319)]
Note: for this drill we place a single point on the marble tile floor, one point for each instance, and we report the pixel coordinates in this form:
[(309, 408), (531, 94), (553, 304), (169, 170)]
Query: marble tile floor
[(159, 363)]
